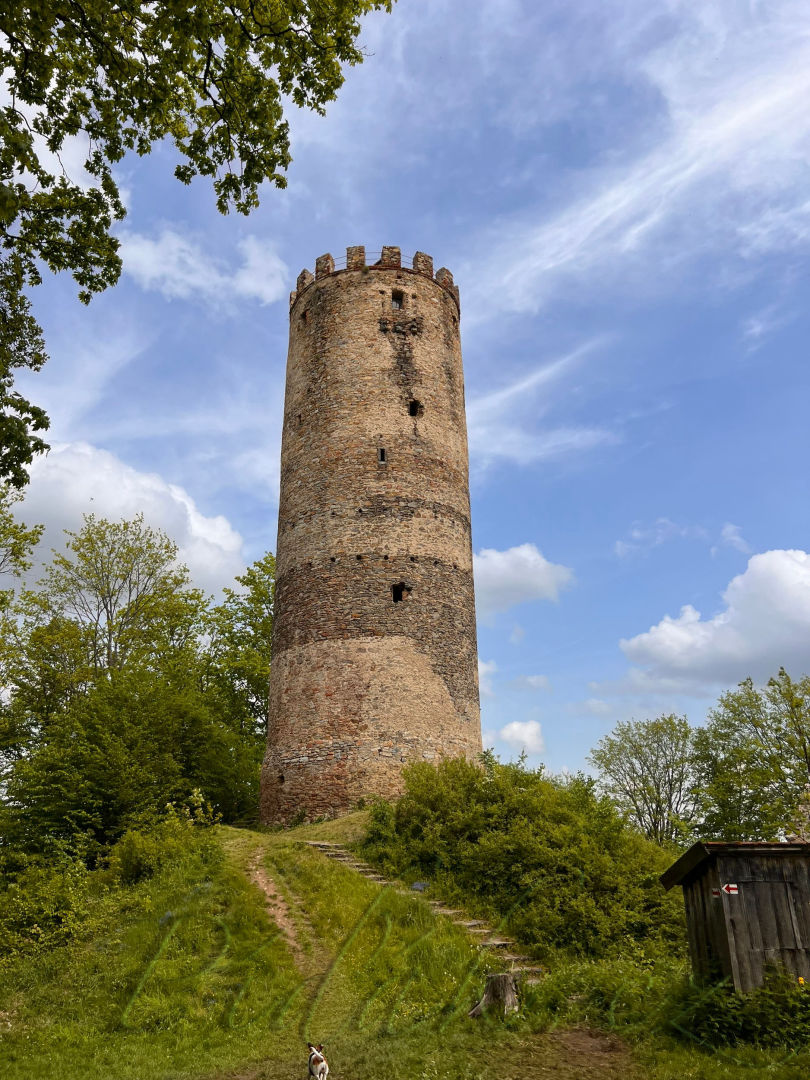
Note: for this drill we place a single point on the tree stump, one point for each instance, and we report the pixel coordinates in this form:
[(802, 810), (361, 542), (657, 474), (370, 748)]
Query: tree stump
[(500, 991)]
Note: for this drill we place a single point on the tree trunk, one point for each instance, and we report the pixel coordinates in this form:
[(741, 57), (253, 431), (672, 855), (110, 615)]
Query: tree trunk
[(500, 990)]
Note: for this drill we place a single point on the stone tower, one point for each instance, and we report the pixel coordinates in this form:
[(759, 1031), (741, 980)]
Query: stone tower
[(374, 650)]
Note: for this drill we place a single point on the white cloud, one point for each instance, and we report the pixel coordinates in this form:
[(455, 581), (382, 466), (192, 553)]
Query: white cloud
[(179, 268), (524, 735), (515, 576), (83, 366), (731, 536), (533, 682), (594, 707), (517, 635), (761, 324), (642, 538), (764, 624), (486, 669), (77, 478)]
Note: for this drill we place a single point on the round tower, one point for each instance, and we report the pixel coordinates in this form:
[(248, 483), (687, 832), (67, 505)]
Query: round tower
[(374, 658)]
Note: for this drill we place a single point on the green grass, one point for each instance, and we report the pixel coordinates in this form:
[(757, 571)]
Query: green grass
[(183, 976)]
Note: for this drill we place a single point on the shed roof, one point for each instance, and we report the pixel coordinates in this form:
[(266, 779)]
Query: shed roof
[(691, 863)]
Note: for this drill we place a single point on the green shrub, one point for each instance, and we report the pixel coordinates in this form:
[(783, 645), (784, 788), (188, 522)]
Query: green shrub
[(167, 840), (548, 856), (52, 900), (623, 993), (775, 1014), (44, 906)]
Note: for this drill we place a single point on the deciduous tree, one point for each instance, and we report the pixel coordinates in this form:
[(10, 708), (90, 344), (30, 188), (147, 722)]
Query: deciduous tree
[(646, 767), (753, 759)]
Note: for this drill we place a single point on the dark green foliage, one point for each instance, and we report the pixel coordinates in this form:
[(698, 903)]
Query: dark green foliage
[(125, 690), (130, 745), (49, 900), (550, 857), (775, 1014)]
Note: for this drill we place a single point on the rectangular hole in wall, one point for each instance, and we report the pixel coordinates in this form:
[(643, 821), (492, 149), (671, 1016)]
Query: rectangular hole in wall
[(397, 299), (381, 456)]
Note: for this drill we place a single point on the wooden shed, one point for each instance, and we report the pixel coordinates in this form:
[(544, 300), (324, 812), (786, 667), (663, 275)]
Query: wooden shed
[(747, 905)]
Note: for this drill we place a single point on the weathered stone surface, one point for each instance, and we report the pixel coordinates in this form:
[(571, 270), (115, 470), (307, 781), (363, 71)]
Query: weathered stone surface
[(324, 265), (374, 503), (355, 258)]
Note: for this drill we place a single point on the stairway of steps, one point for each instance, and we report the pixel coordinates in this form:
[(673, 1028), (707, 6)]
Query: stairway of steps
[(523, 967)]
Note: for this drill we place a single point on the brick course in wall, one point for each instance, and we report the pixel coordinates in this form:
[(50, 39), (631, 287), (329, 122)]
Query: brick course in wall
[(374, 647)]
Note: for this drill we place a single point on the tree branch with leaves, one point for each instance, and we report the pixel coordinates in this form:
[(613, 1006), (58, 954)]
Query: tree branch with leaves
[(212, 77)]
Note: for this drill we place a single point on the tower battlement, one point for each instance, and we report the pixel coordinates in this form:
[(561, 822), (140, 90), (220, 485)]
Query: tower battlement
[(389, 258), (374, 643)]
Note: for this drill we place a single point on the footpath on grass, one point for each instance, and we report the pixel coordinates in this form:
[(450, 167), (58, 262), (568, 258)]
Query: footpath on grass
[(388, 976)]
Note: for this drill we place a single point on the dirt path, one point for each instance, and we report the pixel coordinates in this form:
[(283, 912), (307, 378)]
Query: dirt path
[(277, 907)]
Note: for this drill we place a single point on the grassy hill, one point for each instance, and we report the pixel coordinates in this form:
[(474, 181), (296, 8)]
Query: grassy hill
[(226, 962)]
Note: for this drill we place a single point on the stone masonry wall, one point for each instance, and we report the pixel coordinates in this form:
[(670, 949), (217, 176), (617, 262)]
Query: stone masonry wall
[(374, 646)]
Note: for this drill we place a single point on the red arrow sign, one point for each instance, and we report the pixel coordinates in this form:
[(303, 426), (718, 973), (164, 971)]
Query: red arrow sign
[(716, 893), (730, 889)]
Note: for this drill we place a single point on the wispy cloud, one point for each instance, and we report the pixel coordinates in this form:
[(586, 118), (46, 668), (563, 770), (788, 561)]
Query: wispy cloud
[(486, 670), (180, 268), (730, 171), (499, 428), (643, 538)]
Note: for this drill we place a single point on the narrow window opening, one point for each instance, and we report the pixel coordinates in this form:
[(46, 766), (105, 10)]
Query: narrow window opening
[(381, 456), (304, 316), (281, 777), (415, 408), (397, 299), (359, 558), (400, 592), (332, 558)]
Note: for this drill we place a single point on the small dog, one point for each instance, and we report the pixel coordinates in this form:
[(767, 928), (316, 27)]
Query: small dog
[(318, 1066)]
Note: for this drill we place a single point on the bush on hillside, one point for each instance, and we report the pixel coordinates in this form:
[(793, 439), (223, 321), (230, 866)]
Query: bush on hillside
[(549, 856), (53, 898), (775, 1014)]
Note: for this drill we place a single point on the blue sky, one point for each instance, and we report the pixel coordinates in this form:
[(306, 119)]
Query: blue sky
[(622, 190)]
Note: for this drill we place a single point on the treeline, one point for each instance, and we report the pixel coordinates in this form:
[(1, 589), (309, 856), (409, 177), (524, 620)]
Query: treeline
[(743, 775), (124, 688)]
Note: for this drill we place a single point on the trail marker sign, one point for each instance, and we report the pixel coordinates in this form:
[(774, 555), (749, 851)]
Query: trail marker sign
[(730, 889)]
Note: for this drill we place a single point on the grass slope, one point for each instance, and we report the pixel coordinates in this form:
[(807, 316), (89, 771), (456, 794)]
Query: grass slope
[(184, 976)]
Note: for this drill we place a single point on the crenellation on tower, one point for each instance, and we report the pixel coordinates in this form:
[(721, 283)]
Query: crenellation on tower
[(423, 264), (355, 258), (324, 265), (374, 646), (390, 258)]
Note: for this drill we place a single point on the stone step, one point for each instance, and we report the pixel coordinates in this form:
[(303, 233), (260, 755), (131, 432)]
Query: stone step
[(468, 924), (496, 943)]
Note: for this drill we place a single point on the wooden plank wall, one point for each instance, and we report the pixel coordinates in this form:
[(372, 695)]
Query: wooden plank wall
[(768, 921)]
